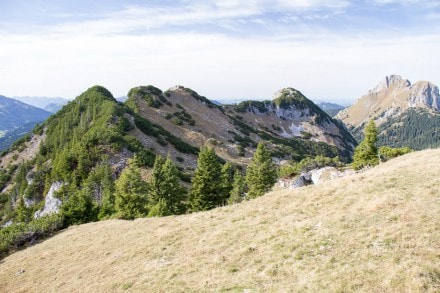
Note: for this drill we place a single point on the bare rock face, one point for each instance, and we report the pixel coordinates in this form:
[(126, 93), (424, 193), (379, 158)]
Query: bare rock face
[(52, 204), (424, 94)]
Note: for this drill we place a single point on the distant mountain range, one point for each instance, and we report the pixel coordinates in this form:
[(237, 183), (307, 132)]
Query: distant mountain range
[(330, 108), (16, 119), (46, 103), (406, 114)]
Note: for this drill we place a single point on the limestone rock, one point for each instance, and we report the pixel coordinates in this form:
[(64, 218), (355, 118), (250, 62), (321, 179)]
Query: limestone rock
[(51, 204)]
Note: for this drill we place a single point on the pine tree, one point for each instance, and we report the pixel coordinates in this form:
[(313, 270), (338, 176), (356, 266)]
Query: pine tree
[(79, 208), (131, 194), (166, 195), (238, 188), (261, 173), (206, 188), (366, 153), (227, 175), (107, 193)]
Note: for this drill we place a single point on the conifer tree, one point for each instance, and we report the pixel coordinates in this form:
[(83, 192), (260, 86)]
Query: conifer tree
[(261, 173), (366, 153), (238, 188), (206, 188), (227, 176), (107, 192), (79, 208), (166, 195), (130, 194)]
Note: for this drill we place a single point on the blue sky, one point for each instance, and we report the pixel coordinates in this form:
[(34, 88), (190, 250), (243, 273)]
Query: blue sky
[(333, 50)]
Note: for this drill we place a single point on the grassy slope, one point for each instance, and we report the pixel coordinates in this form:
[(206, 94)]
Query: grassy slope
[(375, 231)]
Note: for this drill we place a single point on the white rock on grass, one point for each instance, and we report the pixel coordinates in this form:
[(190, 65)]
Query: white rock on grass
[(52, 204)]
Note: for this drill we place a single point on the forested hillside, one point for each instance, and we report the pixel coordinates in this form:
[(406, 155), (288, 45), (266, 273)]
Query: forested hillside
[(154, 155), (417, 128)]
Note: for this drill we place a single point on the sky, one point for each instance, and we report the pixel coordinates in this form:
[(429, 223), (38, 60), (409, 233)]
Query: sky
[(334, 50)]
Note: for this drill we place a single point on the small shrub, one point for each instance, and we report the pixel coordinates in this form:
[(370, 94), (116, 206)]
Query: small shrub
[(177, 121), (386, 153), (20, 234)]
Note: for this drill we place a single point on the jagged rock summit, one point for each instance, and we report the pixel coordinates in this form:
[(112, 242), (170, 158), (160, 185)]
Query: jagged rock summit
[(392, 96), (406, 114)]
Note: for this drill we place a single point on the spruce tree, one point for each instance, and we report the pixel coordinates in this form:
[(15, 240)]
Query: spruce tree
[(206, 188), (261, 173), (366, 153), (227, 179), (130, 194), (166, 195), (79, 208), (238, 188)]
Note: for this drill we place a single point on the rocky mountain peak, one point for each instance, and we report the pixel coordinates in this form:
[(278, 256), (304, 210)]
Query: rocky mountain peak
[(285, 92), (392, 82)]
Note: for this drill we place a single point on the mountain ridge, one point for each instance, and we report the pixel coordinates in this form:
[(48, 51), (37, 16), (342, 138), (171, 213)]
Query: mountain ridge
[(46, 103), (92, 139)]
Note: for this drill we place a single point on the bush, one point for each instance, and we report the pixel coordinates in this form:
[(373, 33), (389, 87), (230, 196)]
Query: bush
[(20, 234), (386, 153)]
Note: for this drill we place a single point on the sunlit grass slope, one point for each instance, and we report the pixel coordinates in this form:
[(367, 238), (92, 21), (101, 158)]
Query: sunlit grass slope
[(378, 231)]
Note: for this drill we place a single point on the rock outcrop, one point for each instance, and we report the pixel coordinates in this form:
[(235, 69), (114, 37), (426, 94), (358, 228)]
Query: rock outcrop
[(315, 176), (52, 204)]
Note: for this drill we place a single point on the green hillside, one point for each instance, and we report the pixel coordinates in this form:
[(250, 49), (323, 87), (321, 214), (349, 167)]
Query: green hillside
[(417, 128), (376, 231), (97, 158)]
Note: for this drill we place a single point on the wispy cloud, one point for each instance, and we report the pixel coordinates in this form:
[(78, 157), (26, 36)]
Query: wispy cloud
[(419, 3), (222, 48)]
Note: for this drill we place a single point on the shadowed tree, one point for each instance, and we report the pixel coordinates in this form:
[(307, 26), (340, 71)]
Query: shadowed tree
[(238, 188)]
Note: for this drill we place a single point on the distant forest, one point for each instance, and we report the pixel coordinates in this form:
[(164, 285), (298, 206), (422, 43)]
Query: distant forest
[(417, 129)]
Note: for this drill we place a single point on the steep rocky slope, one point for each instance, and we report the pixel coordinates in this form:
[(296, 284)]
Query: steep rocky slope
[(393, 103), (291, 123), (378, 233)]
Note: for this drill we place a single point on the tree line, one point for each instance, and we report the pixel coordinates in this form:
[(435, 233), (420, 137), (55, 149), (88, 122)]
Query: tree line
[(214, 184)]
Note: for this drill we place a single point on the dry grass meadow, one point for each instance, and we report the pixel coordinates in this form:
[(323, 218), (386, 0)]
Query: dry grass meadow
[(377, 231)]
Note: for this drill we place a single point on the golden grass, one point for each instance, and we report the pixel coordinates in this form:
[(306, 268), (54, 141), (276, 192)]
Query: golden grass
[(377, 231)]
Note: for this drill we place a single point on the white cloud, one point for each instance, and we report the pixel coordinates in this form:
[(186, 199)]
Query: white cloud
[(126, 48), (142, 19), (419, 3), (215, 65)]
